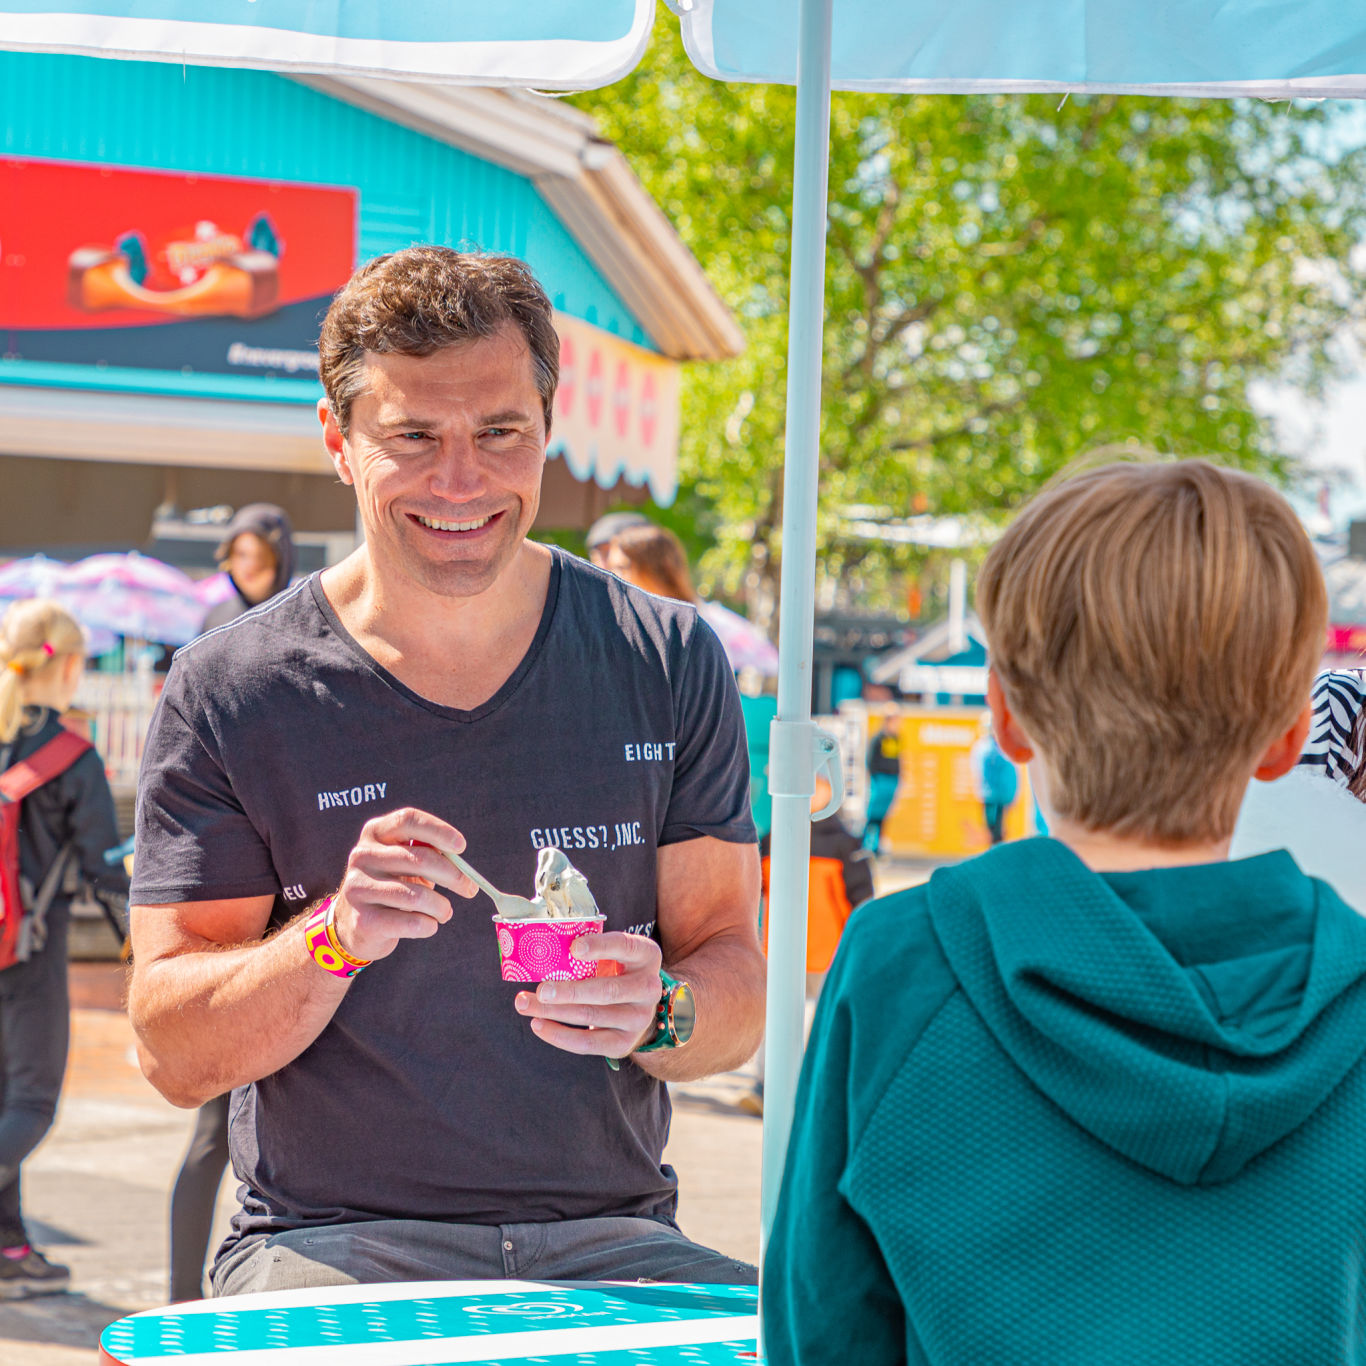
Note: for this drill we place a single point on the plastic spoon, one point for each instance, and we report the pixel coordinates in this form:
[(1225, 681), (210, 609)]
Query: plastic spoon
[(509, 906)]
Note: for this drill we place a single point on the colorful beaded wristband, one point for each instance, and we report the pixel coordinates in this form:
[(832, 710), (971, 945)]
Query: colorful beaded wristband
[(321, 937)]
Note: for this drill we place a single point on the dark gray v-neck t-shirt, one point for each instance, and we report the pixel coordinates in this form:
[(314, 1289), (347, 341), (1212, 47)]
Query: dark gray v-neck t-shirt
[(428, 1096)]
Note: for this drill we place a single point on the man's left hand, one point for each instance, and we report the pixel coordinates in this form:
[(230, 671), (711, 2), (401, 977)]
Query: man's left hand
[(609, 1016)]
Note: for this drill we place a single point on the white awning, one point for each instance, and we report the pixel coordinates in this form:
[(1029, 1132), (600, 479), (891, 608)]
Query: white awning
[(148, 429), (616, 412)]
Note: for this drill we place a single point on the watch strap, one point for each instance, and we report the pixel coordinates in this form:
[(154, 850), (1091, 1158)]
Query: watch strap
[(663, 1037)]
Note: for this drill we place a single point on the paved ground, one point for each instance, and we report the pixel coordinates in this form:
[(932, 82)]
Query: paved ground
[(96, 1191)]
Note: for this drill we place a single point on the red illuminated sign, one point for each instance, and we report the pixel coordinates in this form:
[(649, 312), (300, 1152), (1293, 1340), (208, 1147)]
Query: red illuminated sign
[(128, 268)]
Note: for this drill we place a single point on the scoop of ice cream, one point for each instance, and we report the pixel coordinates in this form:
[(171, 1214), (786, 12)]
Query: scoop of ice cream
[(519, 908), (562, 887)]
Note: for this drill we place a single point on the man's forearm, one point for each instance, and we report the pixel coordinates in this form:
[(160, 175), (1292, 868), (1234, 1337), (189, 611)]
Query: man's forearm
[(727, 976), (218, 1002), (208, 1020)]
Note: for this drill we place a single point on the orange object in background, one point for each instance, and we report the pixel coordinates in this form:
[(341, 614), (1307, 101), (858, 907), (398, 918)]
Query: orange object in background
[(827, 912)]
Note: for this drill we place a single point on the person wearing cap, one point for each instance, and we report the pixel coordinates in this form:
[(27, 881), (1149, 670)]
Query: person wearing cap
[(257, 554), (605, 530)]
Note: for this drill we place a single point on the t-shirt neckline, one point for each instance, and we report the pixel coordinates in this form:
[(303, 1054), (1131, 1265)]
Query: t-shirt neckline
[(500, 697)]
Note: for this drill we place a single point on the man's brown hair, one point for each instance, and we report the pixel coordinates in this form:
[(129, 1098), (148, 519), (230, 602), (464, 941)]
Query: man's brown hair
[(417, 301), (1154, 627)]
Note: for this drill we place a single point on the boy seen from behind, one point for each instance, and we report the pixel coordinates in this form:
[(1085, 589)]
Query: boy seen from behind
[(1099, 1097)]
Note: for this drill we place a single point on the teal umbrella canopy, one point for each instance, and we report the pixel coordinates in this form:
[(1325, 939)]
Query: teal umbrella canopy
[(1268, 48), (1272, 48), (551, 44)]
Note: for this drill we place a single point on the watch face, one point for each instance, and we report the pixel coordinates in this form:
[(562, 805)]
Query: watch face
[(682, 1012)]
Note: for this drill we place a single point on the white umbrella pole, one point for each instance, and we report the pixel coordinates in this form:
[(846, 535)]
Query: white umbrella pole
[(792, 740)]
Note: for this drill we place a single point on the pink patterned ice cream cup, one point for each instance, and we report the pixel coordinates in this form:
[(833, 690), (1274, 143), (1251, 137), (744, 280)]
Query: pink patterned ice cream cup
[(538, 950)]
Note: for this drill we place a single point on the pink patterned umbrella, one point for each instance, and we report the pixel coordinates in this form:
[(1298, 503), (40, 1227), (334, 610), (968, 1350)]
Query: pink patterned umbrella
[(132, 595), (39, 577), (745, 645), (213, 590), (34, 577)]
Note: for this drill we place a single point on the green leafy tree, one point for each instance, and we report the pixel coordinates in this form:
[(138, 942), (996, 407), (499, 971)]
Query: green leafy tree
[(1010, 281)]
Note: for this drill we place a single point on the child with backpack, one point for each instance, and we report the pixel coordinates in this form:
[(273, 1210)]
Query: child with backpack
[(56, 821)]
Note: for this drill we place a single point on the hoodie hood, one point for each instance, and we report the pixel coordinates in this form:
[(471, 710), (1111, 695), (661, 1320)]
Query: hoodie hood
[(271, 524), (1189, 1018)]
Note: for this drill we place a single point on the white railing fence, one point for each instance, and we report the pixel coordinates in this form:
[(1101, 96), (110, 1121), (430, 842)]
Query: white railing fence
[(120, 708)]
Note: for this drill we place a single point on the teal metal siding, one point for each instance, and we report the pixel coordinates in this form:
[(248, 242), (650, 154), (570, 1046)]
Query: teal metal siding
[(221, 121)]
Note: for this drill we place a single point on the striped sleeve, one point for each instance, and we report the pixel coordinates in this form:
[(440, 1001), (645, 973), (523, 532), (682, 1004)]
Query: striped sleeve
[(1337, 737)]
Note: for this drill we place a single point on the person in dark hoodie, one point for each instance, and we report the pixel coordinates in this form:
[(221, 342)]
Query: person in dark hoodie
[(1099, 1097), (257, 553)]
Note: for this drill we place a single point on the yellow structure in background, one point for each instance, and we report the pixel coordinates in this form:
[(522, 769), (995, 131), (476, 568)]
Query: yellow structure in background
[(936, 813)]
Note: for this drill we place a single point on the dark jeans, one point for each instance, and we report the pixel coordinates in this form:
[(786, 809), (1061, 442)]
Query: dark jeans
[(35, 1028), (193, 1199), (612, 1249), (995, 813), (881, 794)]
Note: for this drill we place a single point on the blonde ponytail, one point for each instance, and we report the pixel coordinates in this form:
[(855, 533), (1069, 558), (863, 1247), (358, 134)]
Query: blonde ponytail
[(35, 635)]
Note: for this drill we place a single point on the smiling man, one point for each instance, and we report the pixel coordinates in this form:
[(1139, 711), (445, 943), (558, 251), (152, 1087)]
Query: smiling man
[(399, 1111)]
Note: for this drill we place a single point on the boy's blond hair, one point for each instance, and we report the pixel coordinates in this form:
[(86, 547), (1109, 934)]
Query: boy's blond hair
[(1154, 627)]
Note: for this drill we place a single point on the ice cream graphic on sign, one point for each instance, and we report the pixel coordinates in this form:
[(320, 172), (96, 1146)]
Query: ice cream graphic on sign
[(201, 271)]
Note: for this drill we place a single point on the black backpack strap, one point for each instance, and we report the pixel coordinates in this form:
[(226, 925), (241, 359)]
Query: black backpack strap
[(33, 927)]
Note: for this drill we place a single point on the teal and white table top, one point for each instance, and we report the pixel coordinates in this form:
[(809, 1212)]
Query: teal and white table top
[(440, 1323)]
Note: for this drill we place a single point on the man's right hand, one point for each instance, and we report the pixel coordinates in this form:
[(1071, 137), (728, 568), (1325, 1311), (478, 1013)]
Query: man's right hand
[(218, 1002), (390, 892)]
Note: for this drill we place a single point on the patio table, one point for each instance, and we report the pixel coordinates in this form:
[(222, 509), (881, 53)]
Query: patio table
[(433, 1323)]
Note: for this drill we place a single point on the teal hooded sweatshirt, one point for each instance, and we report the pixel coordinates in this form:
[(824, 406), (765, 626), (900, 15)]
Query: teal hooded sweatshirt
[(1053, 1117)]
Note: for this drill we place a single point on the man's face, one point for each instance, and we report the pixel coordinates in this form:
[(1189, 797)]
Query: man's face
[(446, 452), (252, 564)]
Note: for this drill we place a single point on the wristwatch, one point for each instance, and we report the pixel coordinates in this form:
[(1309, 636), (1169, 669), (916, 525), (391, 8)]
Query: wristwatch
[(675, 1016)]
